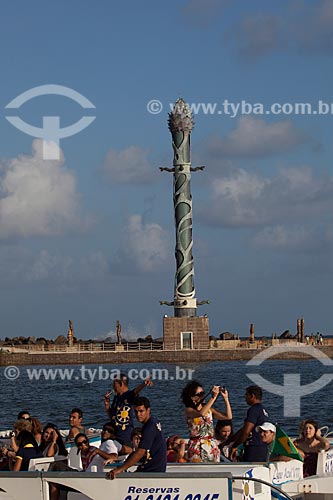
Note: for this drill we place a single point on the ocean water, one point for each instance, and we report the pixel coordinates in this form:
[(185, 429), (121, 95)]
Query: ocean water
[(51, 400)]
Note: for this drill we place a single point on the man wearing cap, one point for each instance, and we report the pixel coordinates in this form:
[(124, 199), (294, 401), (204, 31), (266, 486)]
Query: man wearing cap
[(255, 450), (267, 433)]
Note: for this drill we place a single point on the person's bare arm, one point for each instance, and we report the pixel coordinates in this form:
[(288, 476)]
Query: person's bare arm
[(182, 449), (193, 412), (72, 432), (106, 456), (322, 445), (146, 383), (134, 458), (52, 449), (13, 444), (240, 438), (228, 414), (298, 444), (125, 450), (243, 433), (17, 464), (107, 403)]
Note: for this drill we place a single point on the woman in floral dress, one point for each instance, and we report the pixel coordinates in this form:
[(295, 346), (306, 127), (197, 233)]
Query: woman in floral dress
[(202, 447)]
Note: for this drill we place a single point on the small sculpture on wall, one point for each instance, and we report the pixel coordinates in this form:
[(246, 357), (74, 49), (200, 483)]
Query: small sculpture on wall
[(118, 332), (70, 333)]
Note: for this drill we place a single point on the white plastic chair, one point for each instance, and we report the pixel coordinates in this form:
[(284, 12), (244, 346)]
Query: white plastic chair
[(44, 463)]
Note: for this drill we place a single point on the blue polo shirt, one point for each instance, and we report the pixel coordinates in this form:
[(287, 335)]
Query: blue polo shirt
[(257, 415), (153, 441)]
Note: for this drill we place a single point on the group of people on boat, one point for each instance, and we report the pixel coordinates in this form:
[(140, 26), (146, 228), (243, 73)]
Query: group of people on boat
[(253, 442), (147, 446)]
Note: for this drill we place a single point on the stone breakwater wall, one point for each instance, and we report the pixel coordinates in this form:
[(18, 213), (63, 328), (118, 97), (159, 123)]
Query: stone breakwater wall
[(122, 357)]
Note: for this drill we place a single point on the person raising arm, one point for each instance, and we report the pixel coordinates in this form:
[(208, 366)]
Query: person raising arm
[(199, 413)]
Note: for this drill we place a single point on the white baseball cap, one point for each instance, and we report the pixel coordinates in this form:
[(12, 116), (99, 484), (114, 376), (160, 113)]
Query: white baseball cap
[(266, 426)]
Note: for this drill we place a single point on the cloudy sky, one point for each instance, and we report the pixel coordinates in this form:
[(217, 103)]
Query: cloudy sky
[(90, 236)]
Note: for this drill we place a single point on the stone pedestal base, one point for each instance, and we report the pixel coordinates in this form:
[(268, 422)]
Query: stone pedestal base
[(186, 333), (119, 348)]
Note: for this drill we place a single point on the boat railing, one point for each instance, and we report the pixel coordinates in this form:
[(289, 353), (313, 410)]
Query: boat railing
[(325, 463)]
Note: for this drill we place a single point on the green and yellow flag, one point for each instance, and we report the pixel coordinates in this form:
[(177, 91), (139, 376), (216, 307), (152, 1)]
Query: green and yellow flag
[(283, 445)]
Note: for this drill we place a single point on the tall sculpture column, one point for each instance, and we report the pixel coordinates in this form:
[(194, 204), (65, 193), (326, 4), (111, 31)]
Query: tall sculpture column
[(183, 330), (180, 125)]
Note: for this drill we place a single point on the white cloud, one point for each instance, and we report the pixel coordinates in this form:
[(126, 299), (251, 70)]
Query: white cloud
[(49, 266), (313, 238), (128, 166), (146, 247), (247, 199), (37, 197), (283, 237), (303, 27), (254, 137)]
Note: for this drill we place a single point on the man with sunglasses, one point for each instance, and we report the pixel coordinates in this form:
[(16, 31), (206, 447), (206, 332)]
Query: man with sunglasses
[(108, 451), (87, 451)]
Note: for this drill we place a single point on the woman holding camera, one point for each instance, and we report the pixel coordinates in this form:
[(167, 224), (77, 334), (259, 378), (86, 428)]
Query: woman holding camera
[(202, 447)]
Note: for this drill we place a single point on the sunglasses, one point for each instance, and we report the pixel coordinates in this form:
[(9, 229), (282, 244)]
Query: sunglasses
[(200, 394), (80, 443)]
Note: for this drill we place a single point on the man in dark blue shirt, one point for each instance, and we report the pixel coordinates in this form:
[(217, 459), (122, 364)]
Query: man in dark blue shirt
[(151, 452), (254, 449), (121, 409)]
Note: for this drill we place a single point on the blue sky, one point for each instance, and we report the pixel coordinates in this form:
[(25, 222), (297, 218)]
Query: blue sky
[(91, 238)]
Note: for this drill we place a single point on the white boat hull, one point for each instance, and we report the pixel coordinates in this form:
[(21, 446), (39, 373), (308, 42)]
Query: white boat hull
[(181, 482), (188, 482)]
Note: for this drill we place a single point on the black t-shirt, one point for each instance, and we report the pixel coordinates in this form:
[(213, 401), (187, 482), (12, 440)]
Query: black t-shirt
[(153, 441), (25, 453), (122, 415)]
